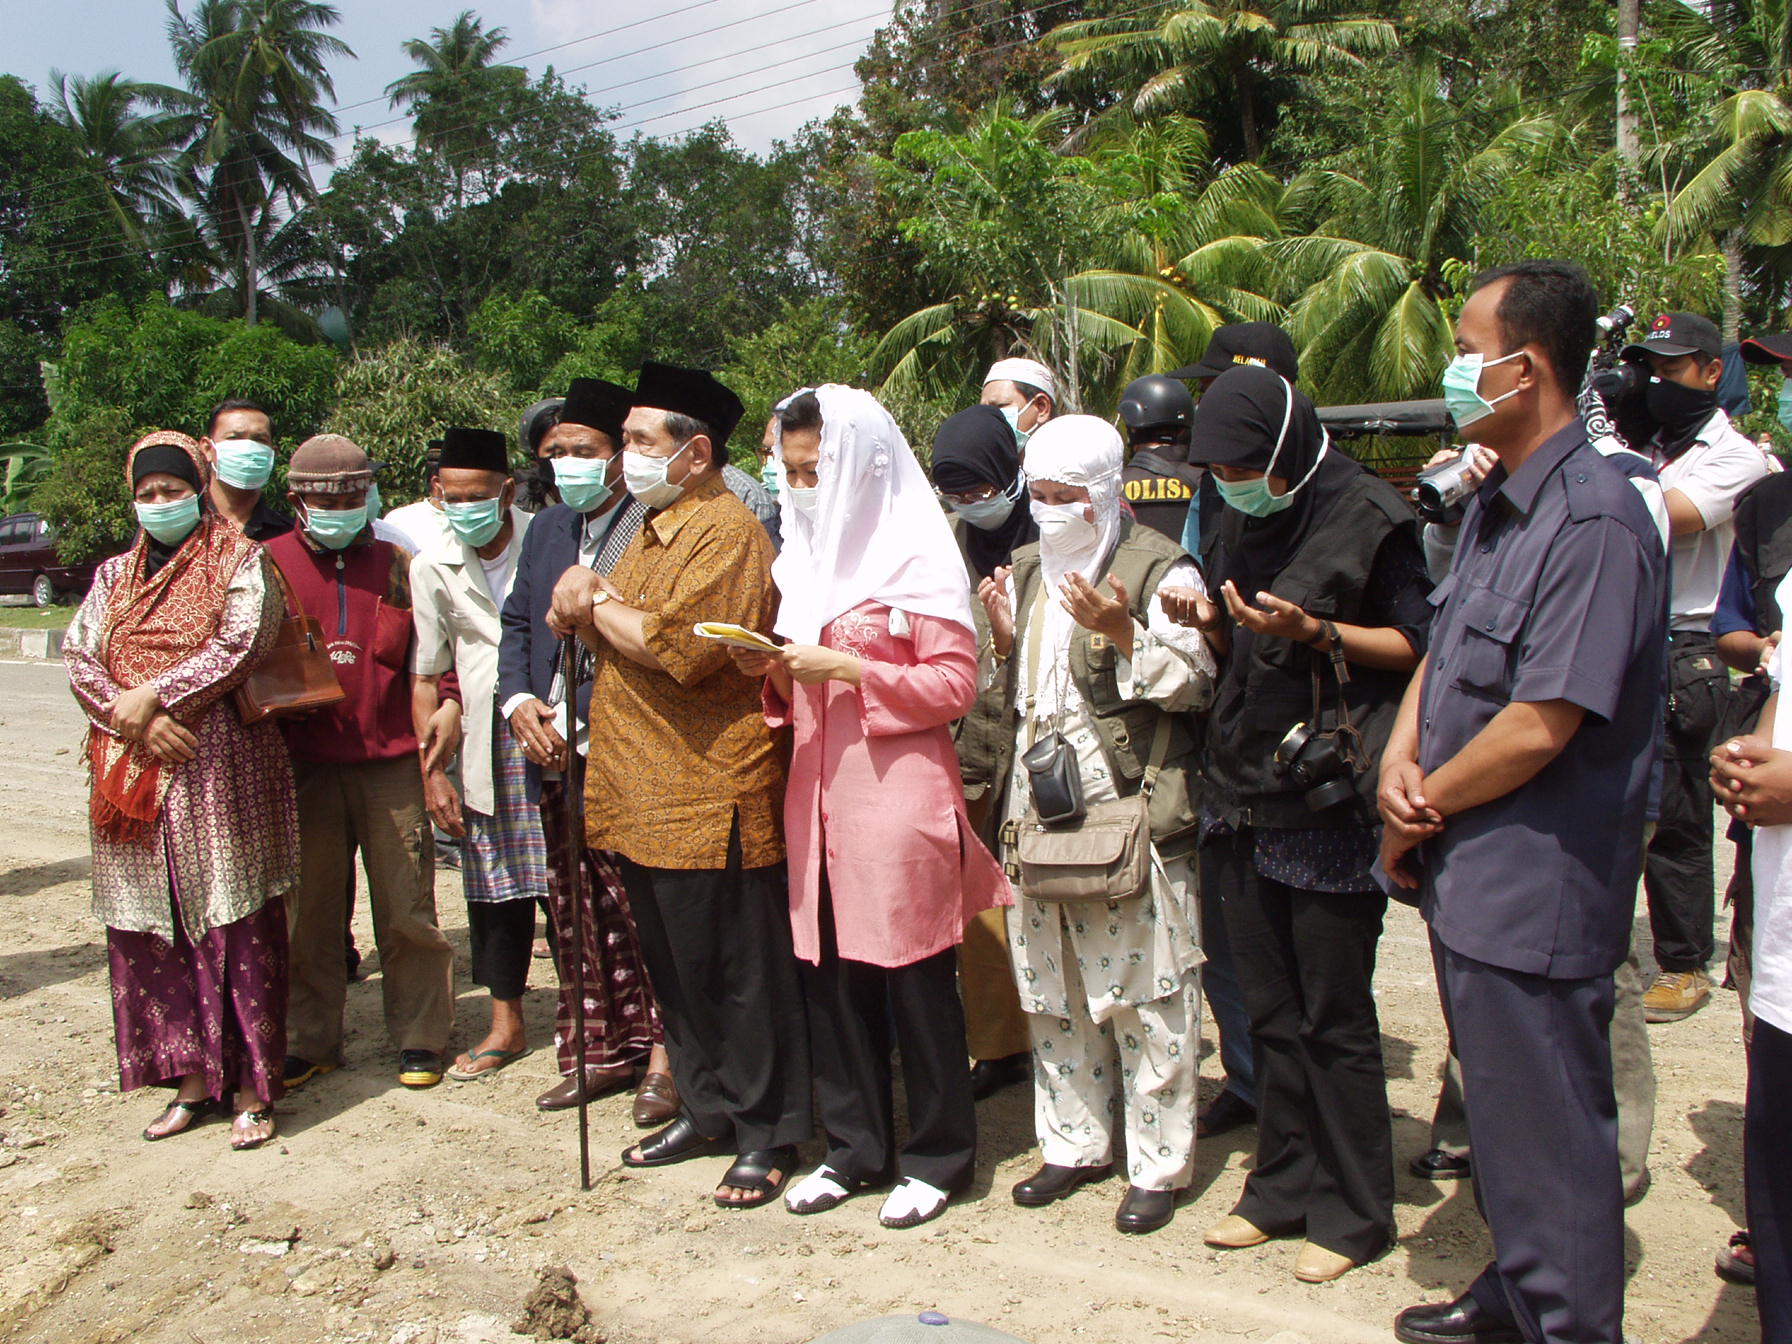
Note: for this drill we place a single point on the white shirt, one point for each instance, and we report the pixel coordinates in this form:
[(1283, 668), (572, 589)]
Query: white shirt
[(421, 524), (1770, 992), (1712, 473)]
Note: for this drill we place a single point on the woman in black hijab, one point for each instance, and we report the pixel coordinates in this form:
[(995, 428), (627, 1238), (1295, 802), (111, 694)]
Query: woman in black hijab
[(1318, 566), (976, 469)]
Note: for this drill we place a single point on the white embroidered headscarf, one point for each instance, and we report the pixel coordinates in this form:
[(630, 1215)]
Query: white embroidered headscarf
[(877, 533), (1086, 451)]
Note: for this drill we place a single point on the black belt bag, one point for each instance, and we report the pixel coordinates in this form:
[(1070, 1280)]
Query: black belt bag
[(1698, 690)]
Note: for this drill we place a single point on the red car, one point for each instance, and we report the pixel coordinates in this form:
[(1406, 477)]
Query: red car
[(29, 564)]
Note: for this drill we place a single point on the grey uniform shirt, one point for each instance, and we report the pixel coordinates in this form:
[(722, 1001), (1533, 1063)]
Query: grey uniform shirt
[(1558, 591)]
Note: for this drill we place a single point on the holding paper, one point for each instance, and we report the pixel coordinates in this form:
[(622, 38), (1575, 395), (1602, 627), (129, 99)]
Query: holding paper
[(737, 635)]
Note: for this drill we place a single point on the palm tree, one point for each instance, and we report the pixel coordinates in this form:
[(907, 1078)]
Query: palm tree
[(1216, 56), (293, 274), (257, 76), (128, 148), (454, 74), (1372, 268)]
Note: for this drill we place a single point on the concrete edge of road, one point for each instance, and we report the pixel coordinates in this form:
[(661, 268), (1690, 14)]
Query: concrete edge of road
[(40, 645)]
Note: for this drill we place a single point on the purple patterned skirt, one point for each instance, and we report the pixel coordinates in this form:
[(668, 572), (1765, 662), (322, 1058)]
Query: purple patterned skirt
[(216, 1007)]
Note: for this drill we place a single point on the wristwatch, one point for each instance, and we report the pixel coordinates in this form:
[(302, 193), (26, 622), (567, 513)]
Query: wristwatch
[(601, 596)]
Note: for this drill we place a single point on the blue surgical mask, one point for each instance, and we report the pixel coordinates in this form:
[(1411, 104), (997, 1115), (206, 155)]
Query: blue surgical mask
[(171, 522), (1786, 404), (1462, 388), (477, 521), (1012, 415), (988, 514), (1254, 497), (334, 529), (768, 477), (373, 500), (581, 483), (245, 464)]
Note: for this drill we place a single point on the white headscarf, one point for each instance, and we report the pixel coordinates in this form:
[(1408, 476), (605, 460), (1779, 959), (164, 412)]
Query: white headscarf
[(1086, 451), (878, 533)]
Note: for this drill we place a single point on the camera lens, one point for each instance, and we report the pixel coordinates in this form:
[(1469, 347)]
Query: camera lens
[(1330, 794)]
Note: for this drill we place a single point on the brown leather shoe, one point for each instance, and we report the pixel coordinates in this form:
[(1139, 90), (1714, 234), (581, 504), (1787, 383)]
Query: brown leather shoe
[(564, 1095), (656, 1100)]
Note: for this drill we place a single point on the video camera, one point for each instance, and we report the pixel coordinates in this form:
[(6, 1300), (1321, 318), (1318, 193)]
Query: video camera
[(1612, 404)]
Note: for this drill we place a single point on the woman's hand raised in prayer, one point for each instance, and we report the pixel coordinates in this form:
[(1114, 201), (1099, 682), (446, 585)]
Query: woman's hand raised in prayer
[(133, 711), (993, 593), (1283, 620), (812, 665), (1092, 609), (170, 741)]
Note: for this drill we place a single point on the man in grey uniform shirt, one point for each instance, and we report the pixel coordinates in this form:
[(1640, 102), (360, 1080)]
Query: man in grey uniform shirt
[(1514, 789)]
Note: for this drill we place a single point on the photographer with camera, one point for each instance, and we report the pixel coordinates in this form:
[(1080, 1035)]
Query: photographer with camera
[(1537, 709), (1318, 564), (1704, 465)]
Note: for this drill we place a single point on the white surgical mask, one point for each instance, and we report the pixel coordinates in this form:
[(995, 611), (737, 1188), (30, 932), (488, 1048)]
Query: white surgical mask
[(803, 499), (1063, 525), (646, 480)]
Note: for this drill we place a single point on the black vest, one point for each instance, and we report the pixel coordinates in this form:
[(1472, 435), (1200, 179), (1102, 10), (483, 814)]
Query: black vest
[(1160, 491), (1764, 541), (1266, 684)]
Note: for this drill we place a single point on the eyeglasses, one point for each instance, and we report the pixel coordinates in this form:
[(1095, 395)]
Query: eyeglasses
[(976, 496)]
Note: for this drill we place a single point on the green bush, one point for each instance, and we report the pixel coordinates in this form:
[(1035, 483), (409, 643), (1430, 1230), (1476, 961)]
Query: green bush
[(394, 400), (85, 496)]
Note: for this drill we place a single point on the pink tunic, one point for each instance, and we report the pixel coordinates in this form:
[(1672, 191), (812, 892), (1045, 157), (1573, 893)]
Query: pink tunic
[(874, 783)]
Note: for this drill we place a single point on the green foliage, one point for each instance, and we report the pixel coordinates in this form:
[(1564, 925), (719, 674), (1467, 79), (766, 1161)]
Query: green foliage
[(806, 346), (520, 338), (611, 346), (394, 400), (23, 467), (85, 496)]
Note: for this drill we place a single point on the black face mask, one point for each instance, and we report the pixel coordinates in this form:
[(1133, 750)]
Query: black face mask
[(1681, 411)]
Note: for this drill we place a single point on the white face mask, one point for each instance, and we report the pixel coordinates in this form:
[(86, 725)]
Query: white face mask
[(645, 477), (803, 498), (1063, 525)]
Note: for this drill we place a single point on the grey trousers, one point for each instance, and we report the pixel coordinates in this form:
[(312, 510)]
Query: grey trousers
[(1633, 1079)]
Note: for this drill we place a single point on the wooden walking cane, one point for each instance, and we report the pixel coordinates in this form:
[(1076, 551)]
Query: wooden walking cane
[(569, 662)]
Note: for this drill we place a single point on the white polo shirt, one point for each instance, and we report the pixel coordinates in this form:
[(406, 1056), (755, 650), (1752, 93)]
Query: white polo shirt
[(1712, 473), (1770, 989)]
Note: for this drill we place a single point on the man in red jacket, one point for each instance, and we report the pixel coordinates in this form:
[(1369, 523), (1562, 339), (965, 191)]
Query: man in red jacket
[(359, 782)]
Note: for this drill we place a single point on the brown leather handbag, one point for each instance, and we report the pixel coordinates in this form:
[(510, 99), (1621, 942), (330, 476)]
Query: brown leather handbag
[(295, 677)]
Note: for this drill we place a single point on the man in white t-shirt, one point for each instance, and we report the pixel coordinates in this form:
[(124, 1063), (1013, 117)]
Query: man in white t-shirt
[(1753, 779), (1704, 465)]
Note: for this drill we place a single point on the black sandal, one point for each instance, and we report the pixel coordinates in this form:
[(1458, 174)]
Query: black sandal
[(194, 1111), (753, 1171), (260, 1115), (677, 1142)]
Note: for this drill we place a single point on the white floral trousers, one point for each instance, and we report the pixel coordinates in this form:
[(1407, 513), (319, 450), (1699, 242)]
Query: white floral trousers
[(1141, 1063)]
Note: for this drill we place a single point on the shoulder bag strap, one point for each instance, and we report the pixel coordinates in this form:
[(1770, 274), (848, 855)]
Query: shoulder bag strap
[(293, 606), (1036, 631), (1160, 747)]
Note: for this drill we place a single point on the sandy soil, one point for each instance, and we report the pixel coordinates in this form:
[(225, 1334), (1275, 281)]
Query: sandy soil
[(424, 1218)]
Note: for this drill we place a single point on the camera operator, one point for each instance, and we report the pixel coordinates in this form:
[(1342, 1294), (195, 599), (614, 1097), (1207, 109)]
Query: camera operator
[(1537, 709), (1704, 466), (1319, 567)]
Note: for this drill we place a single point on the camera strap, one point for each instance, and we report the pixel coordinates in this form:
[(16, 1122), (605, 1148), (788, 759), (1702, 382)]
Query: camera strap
[(1349, 740), (1035, 632)]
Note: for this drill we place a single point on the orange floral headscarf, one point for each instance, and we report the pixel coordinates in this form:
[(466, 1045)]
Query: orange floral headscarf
[(154, 622)]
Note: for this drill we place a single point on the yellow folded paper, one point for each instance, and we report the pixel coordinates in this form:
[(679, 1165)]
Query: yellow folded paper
[(737, 635)]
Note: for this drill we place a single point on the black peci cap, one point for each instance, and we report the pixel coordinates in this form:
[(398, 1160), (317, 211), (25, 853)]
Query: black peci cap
[(475, 450), (598, 405), (692, 392)]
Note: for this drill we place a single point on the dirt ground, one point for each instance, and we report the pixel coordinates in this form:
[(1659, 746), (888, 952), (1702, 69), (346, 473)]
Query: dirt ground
[(400, 1217)]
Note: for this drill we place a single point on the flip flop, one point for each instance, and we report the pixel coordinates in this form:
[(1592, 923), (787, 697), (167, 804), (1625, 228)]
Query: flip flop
[(255, 1116), (194, 1111), (505, 1058)]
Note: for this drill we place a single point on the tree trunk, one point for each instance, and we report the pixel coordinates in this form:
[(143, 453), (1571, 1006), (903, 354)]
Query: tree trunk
[(1732, 245), (1247, 116), (1629, 145), (250, 276)]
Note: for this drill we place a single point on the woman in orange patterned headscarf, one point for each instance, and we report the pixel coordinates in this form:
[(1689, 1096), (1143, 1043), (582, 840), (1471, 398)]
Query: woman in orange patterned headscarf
[(195, 831)]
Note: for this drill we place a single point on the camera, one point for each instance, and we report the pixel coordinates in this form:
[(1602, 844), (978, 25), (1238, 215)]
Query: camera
[(1318, 765), (1442, 491)]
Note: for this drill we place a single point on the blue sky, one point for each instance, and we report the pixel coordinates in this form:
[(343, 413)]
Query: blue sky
[(766, 66)]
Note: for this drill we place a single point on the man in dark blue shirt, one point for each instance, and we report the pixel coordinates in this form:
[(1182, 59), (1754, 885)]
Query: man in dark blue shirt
[(1514, 790)]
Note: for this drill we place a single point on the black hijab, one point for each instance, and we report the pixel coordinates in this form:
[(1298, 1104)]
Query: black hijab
[(1238, 423), (977, 447)]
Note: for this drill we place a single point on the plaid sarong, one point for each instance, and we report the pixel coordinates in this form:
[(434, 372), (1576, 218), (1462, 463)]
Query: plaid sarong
[(505, 857)]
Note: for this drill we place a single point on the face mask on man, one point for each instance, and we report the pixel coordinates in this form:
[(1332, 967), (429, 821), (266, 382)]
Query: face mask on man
[(768, 477), (646, 480), (581, 481), (1063, 526), (1462, 388), (988, 514), (334, 529), (1680, 410), (245, 464), (475, 521), (169, 522), (1012, 415)]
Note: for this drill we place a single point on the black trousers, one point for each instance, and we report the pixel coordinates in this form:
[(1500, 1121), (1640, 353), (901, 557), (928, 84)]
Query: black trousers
[(859, 1012), (1767, 1168), (1678, 880), (717, 946), (1305, 960), (503, 937), (1543, 1125)]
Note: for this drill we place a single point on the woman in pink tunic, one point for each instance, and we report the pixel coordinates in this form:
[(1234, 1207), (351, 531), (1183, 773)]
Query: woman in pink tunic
[(884, 869)]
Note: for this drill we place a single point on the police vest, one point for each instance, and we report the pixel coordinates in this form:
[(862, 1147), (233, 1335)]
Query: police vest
[(1159, 491)]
